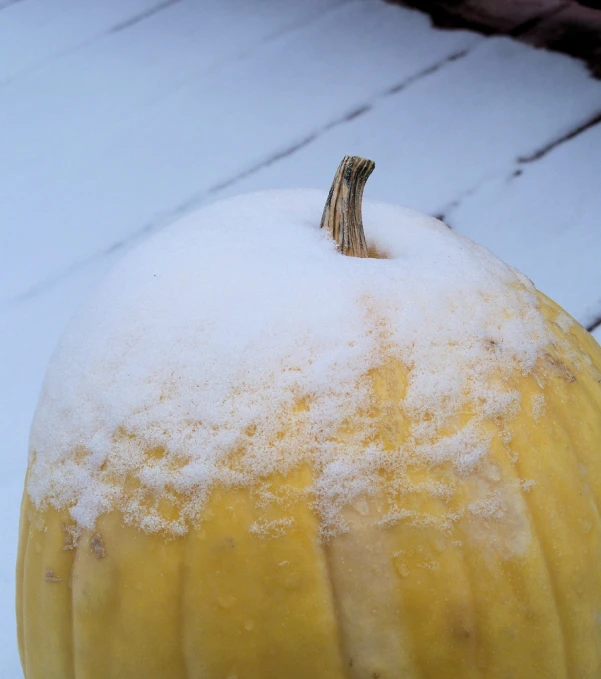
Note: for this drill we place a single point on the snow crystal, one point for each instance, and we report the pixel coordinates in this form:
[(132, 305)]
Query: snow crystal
[(239, 344), (537, 402)]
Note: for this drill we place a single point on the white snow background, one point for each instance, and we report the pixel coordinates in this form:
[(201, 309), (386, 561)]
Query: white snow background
[(118, 117)]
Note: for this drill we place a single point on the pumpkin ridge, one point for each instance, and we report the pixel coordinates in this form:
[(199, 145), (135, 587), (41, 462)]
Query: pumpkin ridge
[(343, 650), (472, 574), (595, 503), (486, 657), (548, 572), (575, 449), (27, 581), (87, 596), (553, 587), (70, 632), (72, 618), (595, 489), (412, 634), (481, 674), (181, 618), (74, 636), (20, 584), (568, 638)]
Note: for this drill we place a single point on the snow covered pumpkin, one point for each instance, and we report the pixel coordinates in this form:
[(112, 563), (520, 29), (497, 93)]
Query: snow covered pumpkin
[(269, 450)]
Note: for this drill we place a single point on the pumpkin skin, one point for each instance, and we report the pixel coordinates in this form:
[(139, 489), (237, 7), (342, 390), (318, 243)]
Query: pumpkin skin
[(514, 596)]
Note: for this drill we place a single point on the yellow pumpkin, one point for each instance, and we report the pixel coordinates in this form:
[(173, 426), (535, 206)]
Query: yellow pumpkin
[(390, 500)]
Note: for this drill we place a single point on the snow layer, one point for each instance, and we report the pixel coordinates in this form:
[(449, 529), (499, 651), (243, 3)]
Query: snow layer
[(189, 365)]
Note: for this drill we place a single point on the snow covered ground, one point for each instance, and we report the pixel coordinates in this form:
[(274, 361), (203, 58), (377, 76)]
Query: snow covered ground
[(117, 117)]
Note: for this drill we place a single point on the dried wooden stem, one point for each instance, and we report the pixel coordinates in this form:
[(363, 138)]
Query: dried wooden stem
[(342, 213)]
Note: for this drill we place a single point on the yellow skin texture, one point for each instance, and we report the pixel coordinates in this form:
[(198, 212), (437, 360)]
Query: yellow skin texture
[(483, 596)]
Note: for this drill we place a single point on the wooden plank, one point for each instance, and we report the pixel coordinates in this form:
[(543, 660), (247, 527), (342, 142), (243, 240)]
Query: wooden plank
[(34, 32), (544, 220), (34, 13), (165, 156)]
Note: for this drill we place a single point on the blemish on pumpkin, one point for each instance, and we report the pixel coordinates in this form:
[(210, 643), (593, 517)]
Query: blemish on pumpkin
[(461, 631), (461, 628), (50, 576), (70, 534), (97, 545), (228, 542), (491, 344), (560, 368), (227, 601)]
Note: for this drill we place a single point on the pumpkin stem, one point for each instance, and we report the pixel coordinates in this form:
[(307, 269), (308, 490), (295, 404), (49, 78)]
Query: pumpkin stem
[(342, 213)]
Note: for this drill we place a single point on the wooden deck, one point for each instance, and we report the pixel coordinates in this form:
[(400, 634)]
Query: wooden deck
[(118, 117)]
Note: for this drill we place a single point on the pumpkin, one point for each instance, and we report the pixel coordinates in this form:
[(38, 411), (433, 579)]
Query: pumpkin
[(268, 450)]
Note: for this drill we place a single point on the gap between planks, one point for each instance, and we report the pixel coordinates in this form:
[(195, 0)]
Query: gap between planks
[(522, 160)]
